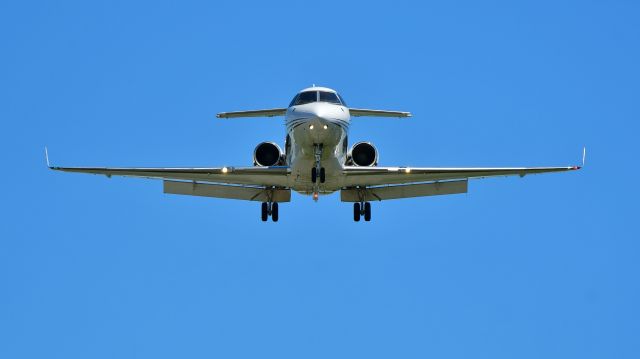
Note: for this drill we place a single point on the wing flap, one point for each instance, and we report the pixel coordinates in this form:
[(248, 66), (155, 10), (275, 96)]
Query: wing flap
[(403, 191), (259, 194)]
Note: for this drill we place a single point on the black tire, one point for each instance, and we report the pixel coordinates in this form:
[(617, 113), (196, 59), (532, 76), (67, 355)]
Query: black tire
[(321, 174), (265, 212), (314, 175), (367, 211), (356, 212), (274, 211)]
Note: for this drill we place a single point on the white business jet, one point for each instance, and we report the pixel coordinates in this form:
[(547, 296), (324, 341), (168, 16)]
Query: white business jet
[(316, 160)]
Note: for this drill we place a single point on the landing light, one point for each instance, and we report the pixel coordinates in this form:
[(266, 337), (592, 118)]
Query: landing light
[(325, 127), (407, 170), (311, 127), (225, 170)]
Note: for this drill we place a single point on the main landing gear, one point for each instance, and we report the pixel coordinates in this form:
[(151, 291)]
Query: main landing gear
[(362, 208), (269, 209)]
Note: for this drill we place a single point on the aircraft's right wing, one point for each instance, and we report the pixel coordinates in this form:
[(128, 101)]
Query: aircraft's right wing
[(246, 183), (257, 176)]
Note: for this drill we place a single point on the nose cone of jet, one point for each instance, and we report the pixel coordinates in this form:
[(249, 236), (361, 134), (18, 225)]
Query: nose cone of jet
[(324, 111)]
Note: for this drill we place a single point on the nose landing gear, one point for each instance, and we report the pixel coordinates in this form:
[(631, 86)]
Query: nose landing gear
[(314, 175), (317, 170)]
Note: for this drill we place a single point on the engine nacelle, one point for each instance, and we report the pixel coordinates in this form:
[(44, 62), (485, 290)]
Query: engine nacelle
[(363, 154), (267, 154)]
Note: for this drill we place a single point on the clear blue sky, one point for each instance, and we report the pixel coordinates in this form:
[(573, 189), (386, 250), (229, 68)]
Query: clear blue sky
[(540, 267)]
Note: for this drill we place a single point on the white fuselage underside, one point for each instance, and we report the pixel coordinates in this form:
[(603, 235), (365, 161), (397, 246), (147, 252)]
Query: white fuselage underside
[(311, 124)]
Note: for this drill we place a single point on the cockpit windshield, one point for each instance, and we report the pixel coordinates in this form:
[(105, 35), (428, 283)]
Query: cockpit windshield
[(342, 100), (306, 97), (316, 96), (329, 97)]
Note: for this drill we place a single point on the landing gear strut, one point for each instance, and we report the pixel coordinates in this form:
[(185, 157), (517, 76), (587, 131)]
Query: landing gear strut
[(362, 208), (269, 209)]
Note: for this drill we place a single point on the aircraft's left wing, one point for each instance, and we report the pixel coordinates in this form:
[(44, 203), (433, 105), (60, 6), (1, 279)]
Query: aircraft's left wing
[(376, 176), (381, 183)]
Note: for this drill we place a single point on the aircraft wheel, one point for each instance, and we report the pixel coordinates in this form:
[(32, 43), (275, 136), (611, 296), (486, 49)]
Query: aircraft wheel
[(322, 175), (367, 211), (356, 211), (274, 211), (314, 175), (265, 212)]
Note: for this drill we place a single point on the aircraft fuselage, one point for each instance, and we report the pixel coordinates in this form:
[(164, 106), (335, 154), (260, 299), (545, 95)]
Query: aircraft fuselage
[(308, 127)]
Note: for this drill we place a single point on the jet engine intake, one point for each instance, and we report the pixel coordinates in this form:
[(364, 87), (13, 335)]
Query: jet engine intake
[(267, 154), (363, 154)]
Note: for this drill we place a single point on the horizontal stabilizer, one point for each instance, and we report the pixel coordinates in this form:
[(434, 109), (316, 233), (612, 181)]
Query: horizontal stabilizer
[(355, 112), (259, 194), (358, 112), (253, 113), (403, 191)]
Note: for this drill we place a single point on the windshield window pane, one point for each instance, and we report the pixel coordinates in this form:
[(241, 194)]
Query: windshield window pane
[(293, 102), (307, 97), (329, 97), (342, 100)]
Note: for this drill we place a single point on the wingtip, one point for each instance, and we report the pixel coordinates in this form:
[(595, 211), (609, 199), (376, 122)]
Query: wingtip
[(578, 167), (46, 156)]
